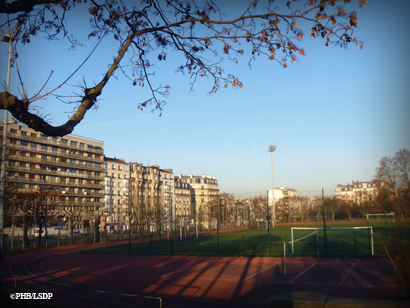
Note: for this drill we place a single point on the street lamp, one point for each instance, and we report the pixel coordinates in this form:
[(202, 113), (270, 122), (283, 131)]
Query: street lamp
[(7, 36), (272, 149)]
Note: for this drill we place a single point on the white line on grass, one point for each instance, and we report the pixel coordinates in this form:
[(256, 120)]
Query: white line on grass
[(302, 272), (347, 274), (261, 271)]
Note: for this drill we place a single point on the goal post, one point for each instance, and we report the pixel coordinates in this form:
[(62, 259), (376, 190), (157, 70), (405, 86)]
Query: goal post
[(389, 216), (347, 241)]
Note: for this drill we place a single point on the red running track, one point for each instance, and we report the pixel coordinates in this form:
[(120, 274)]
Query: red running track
[(193, 281)]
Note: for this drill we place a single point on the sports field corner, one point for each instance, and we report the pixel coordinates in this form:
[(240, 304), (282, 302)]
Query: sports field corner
[(191, 281)]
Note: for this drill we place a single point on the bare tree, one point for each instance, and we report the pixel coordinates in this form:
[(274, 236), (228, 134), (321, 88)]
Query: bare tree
[(39, 208), (148, 31), (395, 170), (401, 162)]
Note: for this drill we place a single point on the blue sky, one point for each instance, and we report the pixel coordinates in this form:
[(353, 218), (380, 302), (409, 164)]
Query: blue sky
[(332, 116)]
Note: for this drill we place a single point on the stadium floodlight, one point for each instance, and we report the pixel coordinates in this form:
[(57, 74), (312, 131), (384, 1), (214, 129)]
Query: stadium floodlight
[(271, 149)]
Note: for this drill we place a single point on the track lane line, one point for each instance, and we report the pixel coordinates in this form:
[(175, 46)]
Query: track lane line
[(303, 272), (260, 271), (346, 274)]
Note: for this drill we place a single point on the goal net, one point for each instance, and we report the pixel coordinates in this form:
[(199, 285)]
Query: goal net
[(331, 242)]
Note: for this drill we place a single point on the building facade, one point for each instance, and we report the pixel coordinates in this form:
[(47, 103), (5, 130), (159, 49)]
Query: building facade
[(183, 203), (204, 188), (145, 192), (116, 194), (72, 165), (167, 203), (278, 193), (359, 192)]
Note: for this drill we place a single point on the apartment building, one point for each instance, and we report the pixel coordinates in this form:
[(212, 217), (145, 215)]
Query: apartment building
[(167, 198), (359, 192), (280, 192), (145, 192), (71, 164), (205, 188), (183, 202), (116, 193)]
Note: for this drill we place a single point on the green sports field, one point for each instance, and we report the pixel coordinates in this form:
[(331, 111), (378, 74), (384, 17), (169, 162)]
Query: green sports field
[(336, 242)]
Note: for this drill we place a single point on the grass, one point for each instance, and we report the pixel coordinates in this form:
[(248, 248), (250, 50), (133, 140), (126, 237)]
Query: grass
[(254, 243)]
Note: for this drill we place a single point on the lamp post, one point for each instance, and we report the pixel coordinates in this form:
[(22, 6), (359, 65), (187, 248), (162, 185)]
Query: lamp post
[(6, 36), (272, 149)]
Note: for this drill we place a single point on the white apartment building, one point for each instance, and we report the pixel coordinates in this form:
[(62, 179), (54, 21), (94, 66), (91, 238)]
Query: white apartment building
[(278, 193), (183, 202), (168, 196), (204, 188), (116, 192), (359, 192)]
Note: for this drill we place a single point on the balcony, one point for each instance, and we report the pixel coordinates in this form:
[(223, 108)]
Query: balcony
[(25, 180), (58, 142), (60, 153), (55, 163), (53, 172)]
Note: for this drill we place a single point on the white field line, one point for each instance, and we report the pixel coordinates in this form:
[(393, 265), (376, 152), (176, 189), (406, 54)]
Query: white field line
[(303, 272), (347, 274), (261, 271)]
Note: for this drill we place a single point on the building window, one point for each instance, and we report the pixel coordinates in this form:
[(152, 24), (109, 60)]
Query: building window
[(54, 139), (43, 137), (24, 143), (22, 153), (33, 145), (14, 131), (24, 133), (44, 147)]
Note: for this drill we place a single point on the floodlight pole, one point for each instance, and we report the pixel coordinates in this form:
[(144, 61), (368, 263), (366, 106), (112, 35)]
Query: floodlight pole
[(272, 149), (8, 37)]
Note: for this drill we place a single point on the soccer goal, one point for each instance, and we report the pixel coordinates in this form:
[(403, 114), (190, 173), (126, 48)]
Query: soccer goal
[(389, 216), (332, 242), (186, 231)]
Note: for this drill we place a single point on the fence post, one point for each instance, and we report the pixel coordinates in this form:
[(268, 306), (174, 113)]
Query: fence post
[(284, 262)]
